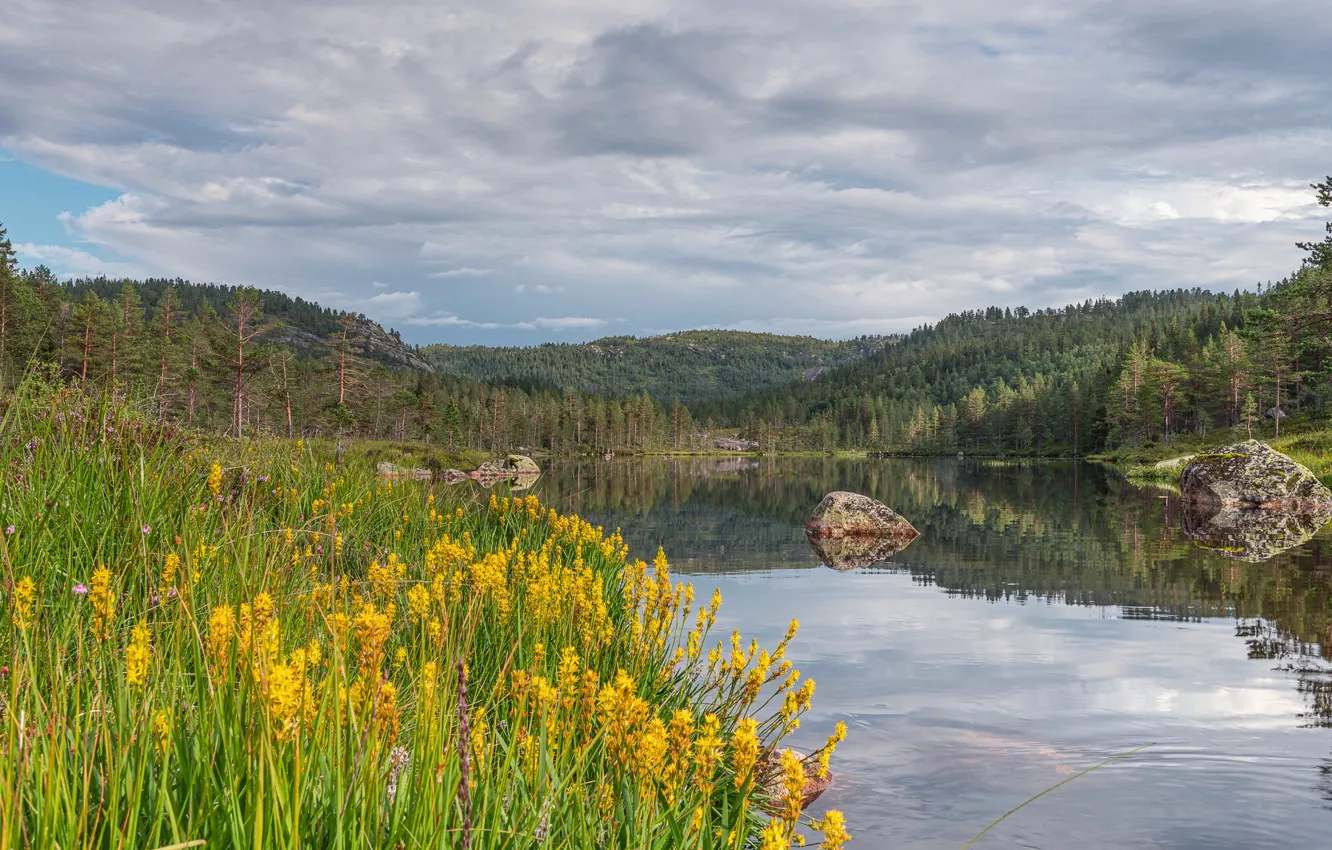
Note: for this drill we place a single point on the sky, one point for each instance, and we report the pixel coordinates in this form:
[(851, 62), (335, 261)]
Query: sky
[(516, 172)]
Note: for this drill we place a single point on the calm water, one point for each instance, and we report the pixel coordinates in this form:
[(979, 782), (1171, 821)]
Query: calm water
[(1048, 617)]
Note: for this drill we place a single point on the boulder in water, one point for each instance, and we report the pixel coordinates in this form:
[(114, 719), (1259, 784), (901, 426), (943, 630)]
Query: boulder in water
[(849, 531), (521, 465), (1251, 474), (843, 514)]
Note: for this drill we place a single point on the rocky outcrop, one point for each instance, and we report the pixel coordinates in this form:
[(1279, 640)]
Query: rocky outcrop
[(379, 344), (1252, 534), (401, 473), (848, 531), (1250, 475)]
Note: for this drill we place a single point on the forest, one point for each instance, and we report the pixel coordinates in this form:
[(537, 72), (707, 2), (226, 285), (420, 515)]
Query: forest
[(691, 367), (1141, 370)]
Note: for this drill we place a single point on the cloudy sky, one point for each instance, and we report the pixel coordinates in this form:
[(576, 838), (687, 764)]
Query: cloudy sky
[(518, 171)]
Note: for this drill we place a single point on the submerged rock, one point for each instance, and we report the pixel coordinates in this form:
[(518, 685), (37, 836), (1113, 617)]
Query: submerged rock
[(1252, 534), (1251, 474), (401, 473), (843, 514)]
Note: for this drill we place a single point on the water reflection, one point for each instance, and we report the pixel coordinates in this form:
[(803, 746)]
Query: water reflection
[(1049, 615)]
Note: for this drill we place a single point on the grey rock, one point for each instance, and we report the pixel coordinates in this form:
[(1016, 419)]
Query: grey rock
[(521, 465), (843, 514), (1251, 474)]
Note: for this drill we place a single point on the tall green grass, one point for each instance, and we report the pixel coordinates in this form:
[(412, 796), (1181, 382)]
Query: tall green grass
[(249, 645)]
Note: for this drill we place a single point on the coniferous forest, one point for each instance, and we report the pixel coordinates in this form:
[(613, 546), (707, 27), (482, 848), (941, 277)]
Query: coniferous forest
[(1139, 370)]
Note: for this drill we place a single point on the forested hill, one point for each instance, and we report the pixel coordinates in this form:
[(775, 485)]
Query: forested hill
[(692, 366), (303, 325), (1001, 380)]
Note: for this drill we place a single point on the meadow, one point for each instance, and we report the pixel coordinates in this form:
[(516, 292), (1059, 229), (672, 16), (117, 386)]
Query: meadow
[(257, 643)]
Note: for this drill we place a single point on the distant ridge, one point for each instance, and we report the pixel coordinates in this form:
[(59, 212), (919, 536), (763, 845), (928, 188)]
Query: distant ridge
[(688, 366)]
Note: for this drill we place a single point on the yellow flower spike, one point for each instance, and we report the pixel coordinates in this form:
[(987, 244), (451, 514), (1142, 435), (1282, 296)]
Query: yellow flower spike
[(774, 836), (103, 601), (744, 750), (137, 655), (418, 603), (793, 783), (170, 569), (25, 594), (215, 480), (162, 732), (221, 629), (833, 827)]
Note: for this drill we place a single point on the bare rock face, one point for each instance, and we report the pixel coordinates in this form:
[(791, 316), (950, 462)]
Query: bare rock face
[(849, 531), (843, 514), (1251, 474)]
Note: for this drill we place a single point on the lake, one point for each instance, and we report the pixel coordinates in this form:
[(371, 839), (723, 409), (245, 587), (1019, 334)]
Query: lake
[(1048, 617)]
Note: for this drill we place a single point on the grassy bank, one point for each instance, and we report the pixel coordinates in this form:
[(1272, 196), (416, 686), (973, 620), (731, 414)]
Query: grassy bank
[(1308, 442), (249, 644)]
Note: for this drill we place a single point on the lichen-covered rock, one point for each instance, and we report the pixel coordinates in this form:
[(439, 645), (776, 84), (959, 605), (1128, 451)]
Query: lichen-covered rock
[(843, 514), (521, 465), (488, 471), (853, 553), (1251, 474), (1252, 534)]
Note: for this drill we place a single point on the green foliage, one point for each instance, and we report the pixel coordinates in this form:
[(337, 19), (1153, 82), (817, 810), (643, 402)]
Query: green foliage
[(689, 367)]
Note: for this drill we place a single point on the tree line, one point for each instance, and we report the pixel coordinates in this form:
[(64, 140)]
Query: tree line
[(244, 362), (1102, 374)]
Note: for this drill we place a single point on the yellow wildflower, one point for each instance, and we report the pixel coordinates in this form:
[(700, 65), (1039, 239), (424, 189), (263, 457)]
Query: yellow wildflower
[(169, 570), (215, 480), (162, 732), (221, 630), (137, 655), (25, 593), (744, 750), (833, 827), (103, 600)]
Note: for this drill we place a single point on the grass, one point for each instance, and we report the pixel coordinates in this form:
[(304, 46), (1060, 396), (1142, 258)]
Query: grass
[(245, 643), (1305, 440)]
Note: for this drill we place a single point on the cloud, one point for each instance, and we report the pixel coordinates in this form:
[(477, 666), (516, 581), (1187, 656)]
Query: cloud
[(73, 263), (802, 165), (567, 323)]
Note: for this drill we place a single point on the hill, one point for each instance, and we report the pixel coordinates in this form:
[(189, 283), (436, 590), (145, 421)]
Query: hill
[(303, 326), (691, 367), (999, 380)]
